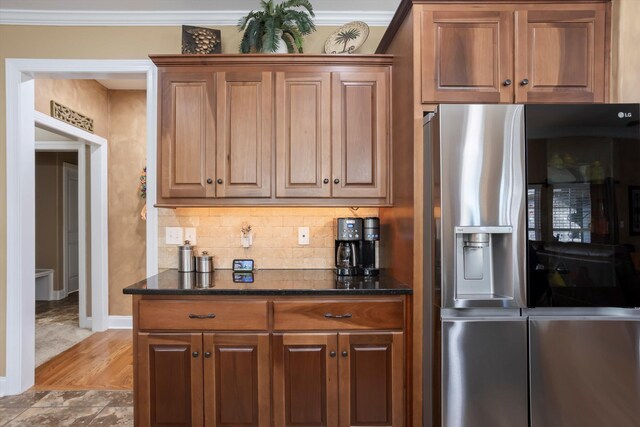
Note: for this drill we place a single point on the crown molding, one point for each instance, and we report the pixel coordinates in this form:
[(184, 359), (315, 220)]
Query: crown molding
[(170, 18)]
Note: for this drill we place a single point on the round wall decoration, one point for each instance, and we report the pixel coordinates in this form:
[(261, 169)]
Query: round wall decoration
[(348, 38)]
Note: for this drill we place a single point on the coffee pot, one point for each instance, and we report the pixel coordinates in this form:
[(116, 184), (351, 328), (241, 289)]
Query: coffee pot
[(348, 234)]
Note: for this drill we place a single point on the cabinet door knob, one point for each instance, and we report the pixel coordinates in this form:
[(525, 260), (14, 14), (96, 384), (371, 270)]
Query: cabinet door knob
[(207, 354), (336, 181), (326, 180), (219, 181), (195, 354), (507, 82), (209, 181), (345, 354), (332, 354), (524, 82)]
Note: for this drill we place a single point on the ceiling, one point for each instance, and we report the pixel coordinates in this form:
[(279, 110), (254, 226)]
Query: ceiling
[(176, 12)]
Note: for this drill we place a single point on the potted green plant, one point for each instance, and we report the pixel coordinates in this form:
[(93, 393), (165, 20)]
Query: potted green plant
[(277, 26)]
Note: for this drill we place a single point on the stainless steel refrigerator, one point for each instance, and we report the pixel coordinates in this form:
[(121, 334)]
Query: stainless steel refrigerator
[(531, 217)]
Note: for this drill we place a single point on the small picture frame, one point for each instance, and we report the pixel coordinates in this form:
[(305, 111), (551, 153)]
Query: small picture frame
[(200, 40), (243, 277), (634, 210), (243, 265)]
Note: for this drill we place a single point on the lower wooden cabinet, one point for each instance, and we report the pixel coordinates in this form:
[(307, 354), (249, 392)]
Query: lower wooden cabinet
[(203, 379), (335, 362), (338, 379), (169, 387)]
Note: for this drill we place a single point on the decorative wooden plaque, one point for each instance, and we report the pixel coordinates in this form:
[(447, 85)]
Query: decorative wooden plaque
[(67, 115)]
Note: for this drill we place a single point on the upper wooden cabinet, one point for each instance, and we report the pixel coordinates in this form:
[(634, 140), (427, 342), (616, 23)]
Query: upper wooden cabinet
[(360, 133), (561, 53), (274, 130), (514, 52), (244, 134), (333, 134), (303, 124), (187, 135)]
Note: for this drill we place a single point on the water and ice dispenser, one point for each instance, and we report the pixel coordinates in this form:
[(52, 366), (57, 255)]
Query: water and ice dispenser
[(480, 261)]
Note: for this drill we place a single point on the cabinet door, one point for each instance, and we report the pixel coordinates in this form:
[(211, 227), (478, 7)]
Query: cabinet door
[(187, 134), (245, 114), (236, 380), (303, 132), (561, 54), (467, 55), (371, 379), (305, 373), (360, 142), (169, 387)]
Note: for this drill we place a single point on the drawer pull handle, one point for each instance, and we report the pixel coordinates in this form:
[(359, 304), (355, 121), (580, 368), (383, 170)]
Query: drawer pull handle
[(337, 316), (202, 316)]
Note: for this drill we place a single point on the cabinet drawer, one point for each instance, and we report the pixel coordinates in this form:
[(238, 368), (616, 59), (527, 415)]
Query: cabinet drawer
[(203, 315), (332, 315)]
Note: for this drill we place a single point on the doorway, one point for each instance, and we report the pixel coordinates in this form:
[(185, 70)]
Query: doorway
[(20, 326), (60, 243)]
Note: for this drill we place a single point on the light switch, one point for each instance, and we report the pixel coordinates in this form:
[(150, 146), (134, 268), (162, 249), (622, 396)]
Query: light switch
[(303, 235), (190, 234), (173, 236)]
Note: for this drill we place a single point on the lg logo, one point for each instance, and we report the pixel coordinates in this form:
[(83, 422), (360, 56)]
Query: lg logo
[(624, 115)]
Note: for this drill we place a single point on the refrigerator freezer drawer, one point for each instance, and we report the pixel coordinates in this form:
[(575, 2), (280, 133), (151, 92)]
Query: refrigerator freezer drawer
[(484, 372), (584, 372)]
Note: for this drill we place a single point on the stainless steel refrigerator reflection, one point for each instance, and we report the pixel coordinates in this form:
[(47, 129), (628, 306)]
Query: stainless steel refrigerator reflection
[(530, 273), (480, 197)]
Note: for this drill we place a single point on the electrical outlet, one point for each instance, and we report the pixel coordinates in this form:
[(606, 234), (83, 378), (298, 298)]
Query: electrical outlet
[(303, 235), (173, 236), (190, 235)]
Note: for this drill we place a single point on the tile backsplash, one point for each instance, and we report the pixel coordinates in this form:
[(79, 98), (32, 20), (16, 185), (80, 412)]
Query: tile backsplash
[(275, 234)]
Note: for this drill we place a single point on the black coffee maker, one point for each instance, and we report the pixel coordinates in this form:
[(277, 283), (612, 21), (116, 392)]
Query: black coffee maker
[(369, 247), (348, 236)]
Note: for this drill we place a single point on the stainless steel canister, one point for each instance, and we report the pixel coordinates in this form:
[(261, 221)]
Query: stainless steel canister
[(186, 260), (204, 263), (204, 280)]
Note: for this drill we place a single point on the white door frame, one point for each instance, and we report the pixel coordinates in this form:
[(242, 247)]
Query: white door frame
[(20, 170), (78, 146), (67, 168)]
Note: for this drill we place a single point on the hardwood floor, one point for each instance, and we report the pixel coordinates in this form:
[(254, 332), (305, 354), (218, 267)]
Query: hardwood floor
[(104, 361)]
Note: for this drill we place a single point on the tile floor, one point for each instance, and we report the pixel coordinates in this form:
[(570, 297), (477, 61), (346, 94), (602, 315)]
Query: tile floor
[(61, 311), (67, 408)]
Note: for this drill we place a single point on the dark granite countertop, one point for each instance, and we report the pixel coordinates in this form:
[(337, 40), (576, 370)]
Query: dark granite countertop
[(266, 282)]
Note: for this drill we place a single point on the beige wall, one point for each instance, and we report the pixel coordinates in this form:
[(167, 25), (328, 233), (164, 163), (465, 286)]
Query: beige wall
[(49, 212), (87, 97), (275, 235), (127, 230), (100, 43)]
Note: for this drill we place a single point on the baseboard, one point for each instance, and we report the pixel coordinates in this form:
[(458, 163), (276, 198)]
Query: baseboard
[(57, 295), (3, 386), (120, 322)]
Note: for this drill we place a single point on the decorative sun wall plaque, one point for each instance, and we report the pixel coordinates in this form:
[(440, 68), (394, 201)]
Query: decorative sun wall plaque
[(67, 115), (200, 40)]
